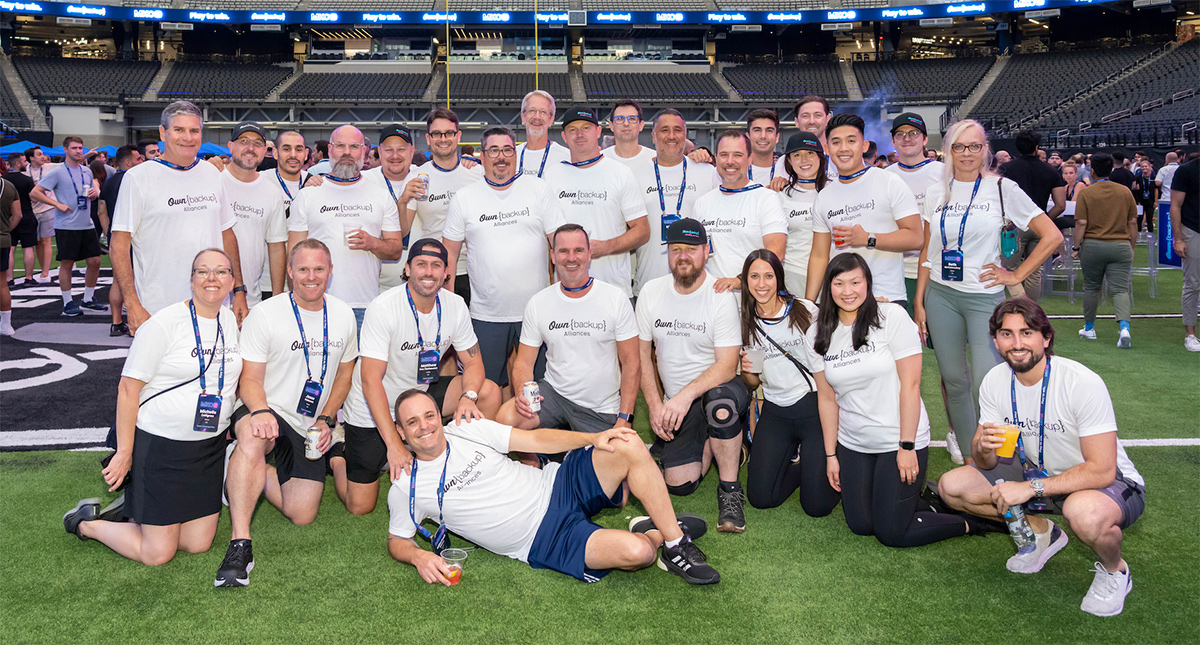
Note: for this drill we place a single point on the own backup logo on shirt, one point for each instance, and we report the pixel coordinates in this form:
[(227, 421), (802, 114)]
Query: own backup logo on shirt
[(679, 327), (575, 327), (347, 210), (850, 356), (192, 202), (584, 197), (851, 212), (504, 218)]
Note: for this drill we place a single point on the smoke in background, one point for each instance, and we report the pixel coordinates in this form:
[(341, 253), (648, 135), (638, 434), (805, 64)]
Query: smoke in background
[(872, 113)]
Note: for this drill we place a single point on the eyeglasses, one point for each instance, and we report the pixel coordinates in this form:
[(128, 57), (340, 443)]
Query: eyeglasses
[(353, 147), (448, 134), (632, 119), (496, 153), (253, 143), (908, 134), (536, 112), (959, 148), (220, 272)]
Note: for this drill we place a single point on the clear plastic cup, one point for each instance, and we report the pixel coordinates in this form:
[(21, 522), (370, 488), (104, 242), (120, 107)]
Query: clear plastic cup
[(1010, 433), (454, 558), (757, 355), (347, 231)]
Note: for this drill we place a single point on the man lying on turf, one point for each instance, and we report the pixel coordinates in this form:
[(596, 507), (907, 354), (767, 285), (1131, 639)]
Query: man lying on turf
[(463, 478)]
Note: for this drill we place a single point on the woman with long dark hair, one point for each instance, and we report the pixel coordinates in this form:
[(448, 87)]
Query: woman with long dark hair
[(780, 323), (875, 427), (805, 163)]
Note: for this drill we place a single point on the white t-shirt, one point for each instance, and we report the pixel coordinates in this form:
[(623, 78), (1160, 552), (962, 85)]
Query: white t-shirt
[(782, 382), (876, 201), (323, 212), (321, 167), (534, 162), (270, 335), (981, 240), (505, 233), (260, 221), (391, 272), (736, 224), (764, 174), (163, 355), (1077, 405), (170, 215), (603, 198), (797, 209), (389, 333), (686, 329), (431, 211), (1166, 175), (581, 336), (644, 155), (489, 499), (918, 181), (285, 197), (867, 383), (651, 257)]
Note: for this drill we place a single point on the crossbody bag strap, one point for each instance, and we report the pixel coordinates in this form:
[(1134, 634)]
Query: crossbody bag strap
[(800, 366)]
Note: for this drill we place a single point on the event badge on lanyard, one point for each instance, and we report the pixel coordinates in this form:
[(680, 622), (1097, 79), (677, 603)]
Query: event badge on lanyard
[(670, 218), (427, 359), (1038, 470), (952, 259), (208, 408), (310, 396), (438, 539), (81, 199)]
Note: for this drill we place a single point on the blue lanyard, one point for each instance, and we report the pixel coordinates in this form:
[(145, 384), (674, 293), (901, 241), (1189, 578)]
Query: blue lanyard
[(175, 166), (854, 176), (752, 171), (457, 161), (734, 191), (437, 303), (1100, 180), (282, 184), (502, 185), (914, 166), (389, 186), (82, 180), (338, 180), (412, 494), (782, 317), (809, 182), (545, 156), (324, 336), (200, 351), (580, 164), (1041, 418), (962, 226), (662, 199), (577, 289)]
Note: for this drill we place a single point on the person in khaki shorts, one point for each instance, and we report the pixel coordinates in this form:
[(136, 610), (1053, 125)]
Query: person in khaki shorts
[(1105, 230)]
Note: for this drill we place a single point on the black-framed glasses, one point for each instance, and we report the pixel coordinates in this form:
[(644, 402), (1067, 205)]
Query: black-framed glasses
[(448, 134), (974, 147), (496, 153)]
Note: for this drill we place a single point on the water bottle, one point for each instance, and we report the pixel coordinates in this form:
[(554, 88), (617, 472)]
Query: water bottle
[(1018, 527)]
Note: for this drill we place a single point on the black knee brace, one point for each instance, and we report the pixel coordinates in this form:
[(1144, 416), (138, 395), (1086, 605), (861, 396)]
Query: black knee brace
[(730, 398), (683, 490)]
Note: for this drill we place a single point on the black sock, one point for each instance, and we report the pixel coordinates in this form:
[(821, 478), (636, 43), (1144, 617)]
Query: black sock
[(730, 487)]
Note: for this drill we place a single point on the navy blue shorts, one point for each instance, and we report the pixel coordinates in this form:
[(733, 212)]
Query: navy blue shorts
[(561, 540)]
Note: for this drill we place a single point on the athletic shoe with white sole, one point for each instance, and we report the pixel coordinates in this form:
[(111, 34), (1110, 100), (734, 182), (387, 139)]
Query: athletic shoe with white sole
[(956, 455), (1124, 341), (1106, 596), (71, 309), (7, 330), (1045, 546), (687, 561), (237, 565), (731, 516), (1191, 343), (693, 526), (85, 510), (92, 305), (1089, 334)]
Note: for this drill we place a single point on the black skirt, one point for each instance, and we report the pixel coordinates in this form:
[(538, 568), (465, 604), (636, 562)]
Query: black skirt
[(175, 481)]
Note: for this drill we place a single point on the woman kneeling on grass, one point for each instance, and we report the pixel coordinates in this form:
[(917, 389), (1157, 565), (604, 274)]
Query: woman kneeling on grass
[(875, 426), (173, 408)]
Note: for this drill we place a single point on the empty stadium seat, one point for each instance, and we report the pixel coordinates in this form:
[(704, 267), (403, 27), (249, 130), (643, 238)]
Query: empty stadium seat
[(10, 109), (934, 79), (357, 87), (220, 81), (664, 86), (786, 81), (83, 79), (504, 86)]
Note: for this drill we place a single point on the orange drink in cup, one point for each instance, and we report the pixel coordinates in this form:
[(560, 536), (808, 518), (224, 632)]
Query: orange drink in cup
[(454, 559), (1010, 433)]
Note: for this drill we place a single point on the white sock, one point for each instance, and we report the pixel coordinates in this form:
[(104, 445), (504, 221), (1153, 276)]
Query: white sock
[(67, 297), (89, 294), (5, 318), (671, 544)]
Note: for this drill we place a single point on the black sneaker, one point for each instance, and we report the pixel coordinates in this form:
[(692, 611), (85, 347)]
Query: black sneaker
[(85, 511), (237, 565), (687, 561), (693, 526), (731, 517), (119, 329), (114, 512)]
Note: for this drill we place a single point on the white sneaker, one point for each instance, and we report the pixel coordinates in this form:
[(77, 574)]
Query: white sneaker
[(1106, 596), (1191, 343), (1046, 545), (952, 445), (1124, 341), (1089, 334), (7, 330)]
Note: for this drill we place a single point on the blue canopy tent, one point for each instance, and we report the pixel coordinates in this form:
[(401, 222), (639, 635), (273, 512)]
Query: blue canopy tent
[(19, 146), (111, 150)]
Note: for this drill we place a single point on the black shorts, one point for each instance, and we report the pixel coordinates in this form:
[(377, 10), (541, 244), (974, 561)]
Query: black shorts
[(288, 452), (175, 481), (76, 245), (364, 450), (4, 259), (694, 431), (26, 232)]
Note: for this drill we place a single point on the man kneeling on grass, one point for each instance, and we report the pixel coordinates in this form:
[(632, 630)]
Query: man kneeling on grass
[(463, 477), (1068, 460)]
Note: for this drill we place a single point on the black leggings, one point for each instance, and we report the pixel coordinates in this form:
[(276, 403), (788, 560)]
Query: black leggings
[(771, 476), (877, 503)]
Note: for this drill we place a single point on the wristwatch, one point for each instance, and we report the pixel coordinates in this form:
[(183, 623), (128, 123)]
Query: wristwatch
[(625, 417), (870, 240), (471, 394), (329, 421), (908, 445), (1039, 489), (241, 289)]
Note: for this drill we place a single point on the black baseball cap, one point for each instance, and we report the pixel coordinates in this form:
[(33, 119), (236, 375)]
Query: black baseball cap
[(248, 126), (909, 118), (580, 114), (804, 140), (686, 231), (428, 246), (395, 130)]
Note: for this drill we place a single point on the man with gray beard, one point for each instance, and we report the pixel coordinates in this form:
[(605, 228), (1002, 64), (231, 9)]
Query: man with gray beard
[(261, 227), (356, 219)]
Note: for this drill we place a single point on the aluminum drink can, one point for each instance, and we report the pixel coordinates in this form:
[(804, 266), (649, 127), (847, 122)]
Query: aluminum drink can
[(533, 394), (424, 180), (311, 438)]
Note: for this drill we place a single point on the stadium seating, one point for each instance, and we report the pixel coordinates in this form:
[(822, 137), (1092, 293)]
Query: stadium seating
[(504, 86), (236, 5), (933, 79), (84, 80), (357, 87), (222, 81), (774, 5), (1032, 81), (164, 4), (510, 5), (645, 5), (653, 86), (786, 81), (374, 5), (10, 109)]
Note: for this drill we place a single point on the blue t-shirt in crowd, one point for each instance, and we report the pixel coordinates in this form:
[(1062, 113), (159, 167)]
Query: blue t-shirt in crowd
[(68, 184)]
